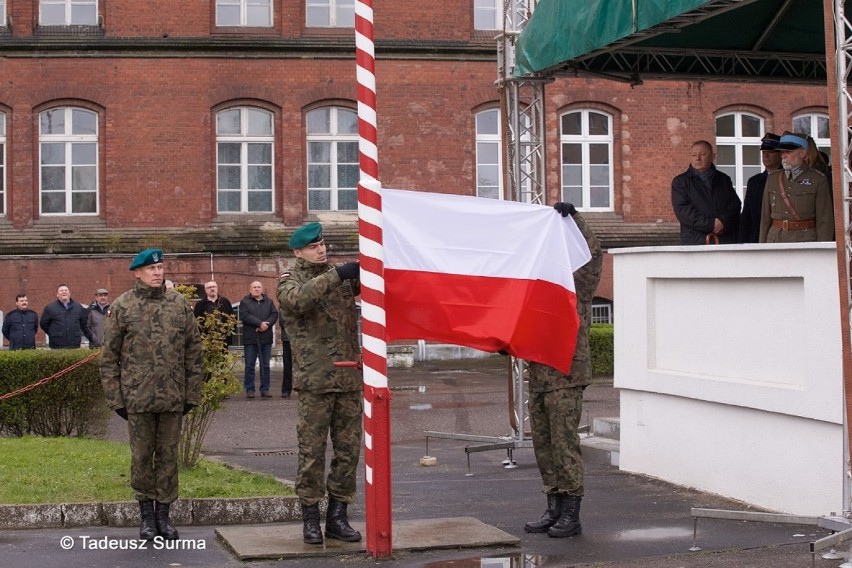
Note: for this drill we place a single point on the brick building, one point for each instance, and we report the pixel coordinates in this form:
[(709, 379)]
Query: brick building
[(213, 128)]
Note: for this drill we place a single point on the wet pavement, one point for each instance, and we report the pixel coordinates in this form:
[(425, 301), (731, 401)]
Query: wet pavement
[(628, 520)]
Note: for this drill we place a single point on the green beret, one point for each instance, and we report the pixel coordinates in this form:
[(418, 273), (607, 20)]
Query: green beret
[(146, 257), (305, 235)]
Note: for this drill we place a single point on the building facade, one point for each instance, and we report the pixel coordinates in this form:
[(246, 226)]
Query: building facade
[(213, 128)]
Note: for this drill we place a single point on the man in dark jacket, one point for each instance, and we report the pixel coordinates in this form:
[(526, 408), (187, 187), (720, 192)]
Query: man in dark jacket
[(704, 201), (21, 325), (753, 200), (213, 302), (258, 314), (65, 321)]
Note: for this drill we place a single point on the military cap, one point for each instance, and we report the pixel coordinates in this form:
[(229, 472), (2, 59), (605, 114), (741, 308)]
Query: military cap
[(770, 142), (793, 141), (146, 257), (305, 235)]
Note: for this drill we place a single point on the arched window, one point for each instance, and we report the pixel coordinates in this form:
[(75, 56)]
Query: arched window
[(738, 147), (68, 13), (488, 179), (815, 126), (2, 163), (244, 160), (586, 147), (332, 159), (68, 161), (244, 13), (330, 13)]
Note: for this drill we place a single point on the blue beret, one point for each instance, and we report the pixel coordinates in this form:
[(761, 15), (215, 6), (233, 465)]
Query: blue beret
[(791, 141), (146, 257), (305, 235)]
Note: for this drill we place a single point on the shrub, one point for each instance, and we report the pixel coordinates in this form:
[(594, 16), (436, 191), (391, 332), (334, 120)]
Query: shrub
[(72, 404), (603, 356)]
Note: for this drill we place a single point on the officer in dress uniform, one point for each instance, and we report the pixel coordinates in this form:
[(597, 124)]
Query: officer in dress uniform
[(797, 203)]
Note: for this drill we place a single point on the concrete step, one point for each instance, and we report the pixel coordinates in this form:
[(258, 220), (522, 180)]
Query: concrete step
[(607, 427), (599, 450)]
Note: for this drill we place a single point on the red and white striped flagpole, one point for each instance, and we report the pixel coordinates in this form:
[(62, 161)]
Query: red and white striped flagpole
[(374, 350)]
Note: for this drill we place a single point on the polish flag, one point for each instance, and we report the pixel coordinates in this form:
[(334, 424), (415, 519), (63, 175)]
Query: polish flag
[(489, 274)]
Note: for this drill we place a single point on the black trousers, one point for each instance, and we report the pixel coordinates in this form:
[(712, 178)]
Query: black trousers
[(287, 356)]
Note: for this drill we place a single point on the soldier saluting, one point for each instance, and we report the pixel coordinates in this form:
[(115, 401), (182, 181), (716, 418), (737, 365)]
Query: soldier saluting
[(151, 372)]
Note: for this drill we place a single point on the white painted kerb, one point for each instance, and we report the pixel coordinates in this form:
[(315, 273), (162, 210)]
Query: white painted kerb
[(729, 363)]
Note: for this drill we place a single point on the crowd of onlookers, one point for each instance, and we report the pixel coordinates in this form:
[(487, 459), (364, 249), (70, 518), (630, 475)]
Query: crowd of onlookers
[(66, 322)]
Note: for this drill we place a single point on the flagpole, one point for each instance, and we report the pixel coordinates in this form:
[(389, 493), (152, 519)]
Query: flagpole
[(374, 347)]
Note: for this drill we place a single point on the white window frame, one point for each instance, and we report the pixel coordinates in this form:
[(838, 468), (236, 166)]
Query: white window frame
[(69, 140), (2, 164), (244, 7), (70, 6), (487, 14), (811, 126), (488, 139), (337, 13), (586, 140), (244, 139), (333, 138), (740, 171), (2, 13)]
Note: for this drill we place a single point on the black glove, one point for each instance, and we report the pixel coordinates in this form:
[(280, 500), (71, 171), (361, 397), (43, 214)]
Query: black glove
[(121, 412), (565, 209), (187, 408), (348, 271)]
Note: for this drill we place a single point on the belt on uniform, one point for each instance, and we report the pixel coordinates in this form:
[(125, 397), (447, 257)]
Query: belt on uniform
[(788, 225)]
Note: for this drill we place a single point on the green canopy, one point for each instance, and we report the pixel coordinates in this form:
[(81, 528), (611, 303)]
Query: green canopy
[(761, 40)]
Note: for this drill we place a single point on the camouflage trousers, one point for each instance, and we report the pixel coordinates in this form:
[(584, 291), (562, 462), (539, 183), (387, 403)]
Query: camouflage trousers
[(554, 418), (334, 414), (154, 440)]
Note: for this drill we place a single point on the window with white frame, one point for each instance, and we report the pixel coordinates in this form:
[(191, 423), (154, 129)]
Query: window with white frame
[(330, 13), (488, 179), (68, 12), (738, 137), (815, 126), (245, 142), (487, 14), (601, 313), (586, 154), (2, 13), (68, 161), (245, 13), (2, 163), (332, 159)]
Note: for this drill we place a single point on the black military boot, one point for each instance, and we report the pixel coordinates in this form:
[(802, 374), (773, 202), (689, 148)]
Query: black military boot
[(569, 521), (164, 526), (337, 524), (550, 516), (148, 530), (311, 532)]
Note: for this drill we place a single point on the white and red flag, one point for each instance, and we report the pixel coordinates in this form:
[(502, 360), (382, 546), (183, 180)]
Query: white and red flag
[(489, 274)]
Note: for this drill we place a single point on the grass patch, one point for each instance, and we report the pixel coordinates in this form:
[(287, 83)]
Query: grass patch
[(83, 470)]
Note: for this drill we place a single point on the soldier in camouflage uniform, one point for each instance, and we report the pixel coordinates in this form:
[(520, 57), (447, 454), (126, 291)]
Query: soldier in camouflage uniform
[(317, 302), (555, 406), (151, 372)]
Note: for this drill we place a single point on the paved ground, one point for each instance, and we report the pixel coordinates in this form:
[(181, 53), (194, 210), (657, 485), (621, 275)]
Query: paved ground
[(628, 520)]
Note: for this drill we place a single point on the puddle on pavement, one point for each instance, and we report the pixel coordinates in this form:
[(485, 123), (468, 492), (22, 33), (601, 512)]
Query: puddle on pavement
[(658, 533), (425, 406), (506, 561)]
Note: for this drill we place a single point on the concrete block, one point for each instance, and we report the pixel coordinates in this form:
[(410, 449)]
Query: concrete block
[(28, 516), (607, 427), (248, 510), (82, 514)]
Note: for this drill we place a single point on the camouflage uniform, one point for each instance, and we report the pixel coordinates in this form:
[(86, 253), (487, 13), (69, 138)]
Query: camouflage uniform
[(556, 399), (321, 321), (151, 365)]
